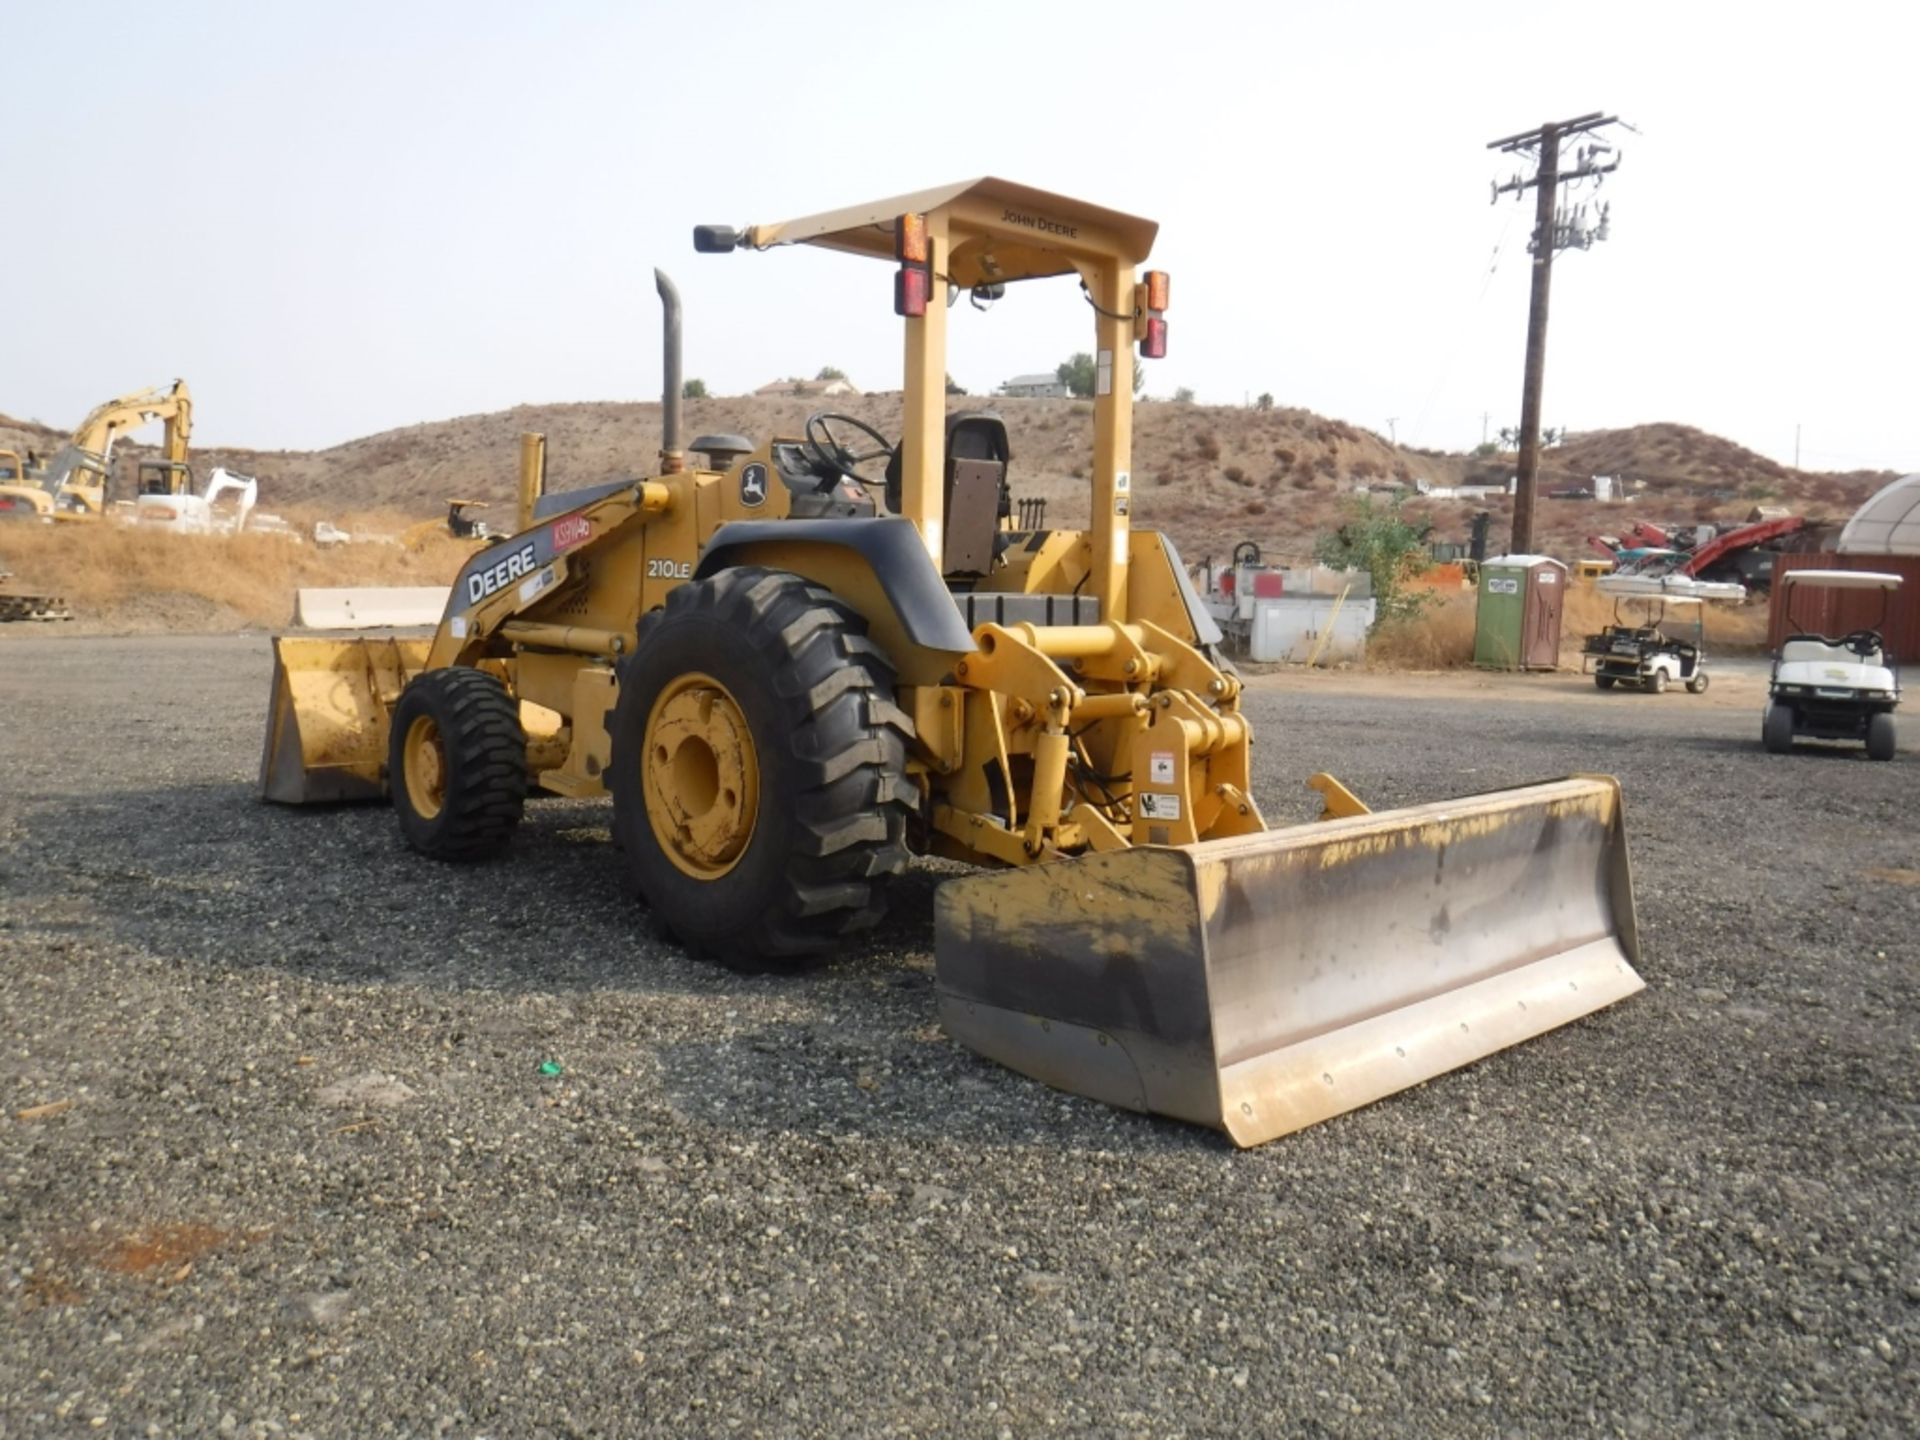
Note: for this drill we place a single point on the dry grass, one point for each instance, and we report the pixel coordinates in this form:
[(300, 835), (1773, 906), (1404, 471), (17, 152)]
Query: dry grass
[(128, 577), (1441, 636)]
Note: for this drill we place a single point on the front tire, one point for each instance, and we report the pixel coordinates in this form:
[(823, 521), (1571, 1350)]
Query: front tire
[(1776, 728), (1697, 685), (457, 764), (1602, 682), (1657, 682), (1881, 740), (759, 769)]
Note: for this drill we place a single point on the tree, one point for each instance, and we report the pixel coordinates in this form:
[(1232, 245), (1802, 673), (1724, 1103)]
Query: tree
[(1378, 539), (954, 387), (1183, 396), (828, 372), (1078, 374), (1265, 402), (694, 390)]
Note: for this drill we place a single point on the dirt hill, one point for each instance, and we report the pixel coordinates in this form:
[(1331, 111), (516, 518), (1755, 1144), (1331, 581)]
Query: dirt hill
[(1210, 475)]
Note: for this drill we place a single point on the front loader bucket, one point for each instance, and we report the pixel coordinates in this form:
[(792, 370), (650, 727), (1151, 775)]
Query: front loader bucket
[(327, 721), (1263, 983)]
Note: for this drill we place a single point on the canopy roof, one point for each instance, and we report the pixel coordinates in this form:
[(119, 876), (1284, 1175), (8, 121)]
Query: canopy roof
[(1888, 524), (998, 231), (1842, 579)]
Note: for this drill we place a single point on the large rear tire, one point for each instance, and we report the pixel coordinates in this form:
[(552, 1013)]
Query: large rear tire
[(1776, 728), (1881, 740), (758, 770), (457, 764)]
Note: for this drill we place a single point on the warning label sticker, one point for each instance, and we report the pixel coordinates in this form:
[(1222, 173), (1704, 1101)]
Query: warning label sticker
[(1160, 767), (1159, 807)]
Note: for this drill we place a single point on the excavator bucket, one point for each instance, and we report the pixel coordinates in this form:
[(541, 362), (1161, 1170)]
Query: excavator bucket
[(1262, 983), (327, 721)]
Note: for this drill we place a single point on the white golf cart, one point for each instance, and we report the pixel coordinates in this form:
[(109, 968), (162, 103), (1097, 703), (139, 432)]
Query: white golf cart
[(1832, 689), (1640, 648)]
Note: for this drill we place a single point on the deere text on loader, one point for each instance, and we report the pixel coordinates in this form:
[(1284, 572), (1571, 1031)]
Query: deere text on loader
[(797, 661)]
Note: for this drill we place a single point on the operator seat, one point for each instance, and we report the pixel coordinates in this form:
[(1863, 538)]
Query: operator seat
[(975, 496)]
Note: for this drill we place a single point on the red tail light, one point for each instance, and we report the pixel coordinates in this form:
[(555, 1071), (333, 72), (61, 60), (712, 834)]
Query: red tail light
[(1153, 345), (910, 287)]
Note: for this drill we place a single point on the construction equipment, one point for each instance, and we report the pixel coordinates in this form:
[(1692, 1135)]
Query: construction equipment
[(458, 524), (73, 484), (792, 663), (169, 496), (1728, 554), (1833, 687)]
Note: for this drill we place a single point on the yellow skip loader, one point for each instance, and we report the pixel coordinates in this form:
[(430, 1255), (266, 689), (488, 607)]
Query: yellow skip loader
[(796, 662)]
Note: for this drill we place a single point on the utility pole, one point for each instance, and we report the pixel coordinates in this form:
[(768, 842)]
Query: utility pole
[(1554, 229), (1393, 434)]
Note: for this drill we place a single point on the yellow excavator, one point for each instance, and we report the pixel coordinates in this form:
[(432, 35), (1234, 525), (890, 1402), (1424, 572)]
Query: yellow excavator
[(794, 663), (73, 484)]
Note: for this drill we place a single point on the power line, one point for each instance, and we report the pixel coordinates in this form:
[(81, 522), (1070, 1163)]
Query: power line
[(1556, 227)]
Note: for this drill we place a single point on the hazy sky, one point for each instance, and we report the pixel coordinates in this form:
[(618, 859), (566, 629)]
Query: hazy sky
[(340, 218)]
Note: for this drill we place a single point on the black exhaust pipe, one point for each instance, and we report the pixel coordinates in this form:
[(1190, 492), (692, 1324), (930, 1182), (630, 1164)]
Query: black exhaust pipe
[(673, 459)]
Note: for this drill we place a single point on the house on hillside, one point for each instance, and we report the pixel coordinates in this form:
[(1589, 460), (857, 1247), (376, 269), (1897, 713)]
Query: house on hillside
[(1036, 387), (797, 386)]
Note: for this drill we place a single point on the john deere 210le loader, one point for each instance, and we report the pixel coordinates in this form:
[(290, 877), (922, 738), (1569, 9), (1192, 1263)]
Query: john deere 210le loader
[(791, 671)]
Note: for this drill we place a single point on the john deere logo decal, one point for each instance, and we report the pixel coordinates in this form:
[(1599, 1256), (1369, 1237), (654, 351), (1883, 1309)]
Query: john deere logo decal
[(753, 486)]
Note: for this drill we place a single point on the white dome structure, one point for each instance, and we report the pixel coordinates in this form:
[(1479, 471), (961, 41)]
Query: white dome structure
[(1888, 524)]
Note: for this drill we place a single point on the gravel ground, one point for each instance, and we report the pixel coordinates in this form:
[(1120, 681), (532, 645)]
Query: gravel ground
[(303, 1172)]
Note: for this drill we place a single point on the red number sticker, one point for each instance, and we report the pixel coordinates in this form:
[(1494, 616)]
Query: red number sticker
[(569, 531)]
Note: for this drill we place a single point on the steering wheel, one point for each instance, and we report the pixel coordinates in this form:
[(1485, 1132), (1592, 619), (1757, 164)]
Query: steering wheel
[(834, 455), (1862, 642)]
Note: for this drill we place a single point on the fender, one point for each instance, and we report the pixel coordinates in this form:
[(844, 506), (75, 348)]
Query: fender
[(891, 549)]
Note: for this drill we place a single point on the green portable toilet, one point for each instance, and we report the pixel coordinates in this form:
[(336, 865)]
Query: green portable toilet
[(1517, 621)]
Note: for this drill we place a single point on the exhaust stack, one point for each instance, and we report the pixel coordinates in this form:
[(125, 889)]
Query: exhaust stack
[(673, 459)]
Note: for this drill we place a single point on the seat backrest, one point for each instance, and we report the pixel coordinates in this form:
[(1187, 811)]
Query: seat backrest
[(1807, 648), (975, 493), (975, 496)]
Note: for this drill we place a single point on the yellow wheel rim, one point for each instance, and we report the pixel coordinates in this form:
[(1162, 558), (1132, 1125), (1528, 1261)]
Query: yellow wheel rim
[(426, 757), (701, 776)]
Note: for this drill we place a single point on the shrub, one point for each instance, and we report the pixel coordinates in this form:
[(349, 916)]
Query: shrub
[(1208, 447), (695, 389), (1235, 474), (1378, 539), (1283, 455), (1255, 507)]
